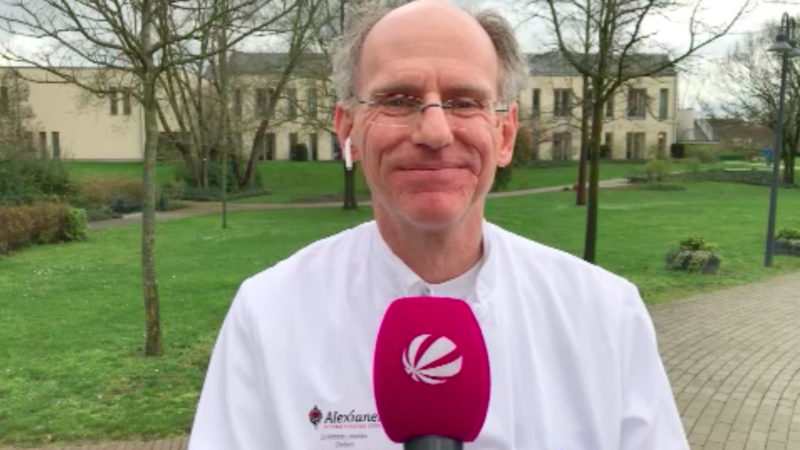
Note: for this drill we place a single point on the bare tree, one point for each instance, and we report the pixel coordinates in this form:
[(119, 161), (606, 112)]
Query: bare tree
[(616, 36), (128, 44), (751, 77)]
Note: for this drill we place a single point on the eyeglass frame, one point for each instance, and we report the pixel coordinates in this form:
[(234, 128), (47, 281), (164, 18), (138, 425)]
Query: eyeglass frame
[(421, 106)]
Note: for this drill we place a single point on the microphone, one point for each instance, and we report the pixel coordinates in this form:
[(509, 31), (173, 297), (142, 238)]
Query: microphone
[(431, 373)]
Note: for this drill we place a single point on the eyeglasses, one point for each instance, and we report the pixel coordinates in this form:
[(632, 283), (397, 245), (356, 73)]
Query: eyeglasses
[(404, 110)]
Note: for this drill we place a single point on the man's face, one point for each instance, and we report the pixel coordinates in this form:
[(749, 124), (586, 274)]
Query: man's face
[(428, 170)]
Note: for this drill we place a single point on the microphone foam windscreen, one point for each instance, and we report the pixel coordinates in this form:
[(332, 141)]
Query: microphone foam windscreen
[(431, 370)]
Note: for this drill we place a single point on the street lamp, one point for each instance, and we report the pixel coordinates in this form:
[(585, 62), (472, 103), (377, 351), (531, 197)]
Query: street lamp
[(784, 45)]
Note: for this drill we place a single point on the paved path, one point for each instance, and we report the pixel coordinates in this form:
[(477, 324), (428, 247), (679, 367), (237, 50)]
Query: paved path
[(734, 360), (199, 208), (733, 357)]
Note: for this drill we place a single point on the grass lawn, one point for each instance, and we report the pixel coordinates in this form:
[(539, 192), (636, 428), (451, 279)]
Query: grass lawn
[(319, 181), (71, 316), (87, 169)]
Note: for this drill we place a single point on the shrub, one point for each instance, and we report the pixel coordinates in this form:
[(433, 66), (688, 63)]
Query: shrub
[(24, 180), (657, 170), (124, 204), (41, 223), (787, 242), (757, 177), (659, 186), (605, 151), (694, 255), (702, 152), (788, 233), (677, 151), (98, 192), (76, 226), (299, 152)]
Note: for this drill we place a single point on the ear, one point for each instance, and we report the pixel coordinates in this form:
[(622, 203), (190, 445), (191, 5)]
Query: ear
[(509, 123), (343, 126)]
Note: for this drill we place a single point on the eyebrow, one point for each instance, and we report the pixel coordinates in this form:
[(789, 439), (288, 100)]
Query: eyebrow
[(457, 90)]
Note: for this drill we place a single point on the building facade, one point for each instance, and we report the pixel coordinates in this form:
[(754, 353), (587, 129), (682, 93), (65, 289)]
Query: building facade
[(639, 120), (295, 112)]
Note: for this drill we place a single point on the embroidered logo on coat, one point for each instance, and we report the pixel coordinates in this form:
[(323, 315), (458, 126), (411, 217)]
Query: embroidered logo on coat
[(431, 360), (315, 416)]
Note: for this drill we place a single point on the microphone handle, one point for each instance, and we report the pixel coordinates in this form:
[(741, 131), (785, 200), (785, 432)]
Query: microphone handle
[(433, 443)]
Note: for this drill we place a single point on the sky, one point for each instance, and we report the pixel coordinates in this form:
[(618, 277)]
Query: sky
[(696, 82)]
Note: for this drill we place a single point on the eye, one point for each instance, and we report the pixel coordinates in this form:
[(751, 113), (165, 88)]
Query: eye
[(465, 105), (399, 103)]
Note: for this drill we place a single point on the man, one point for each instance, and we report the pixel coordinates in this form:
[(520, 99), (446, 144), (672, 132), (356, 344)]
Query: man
[(427, 106)]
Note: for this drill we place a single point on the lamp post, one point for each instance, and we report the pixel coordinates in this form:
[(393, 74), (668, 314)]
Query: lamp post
[(784, 45)]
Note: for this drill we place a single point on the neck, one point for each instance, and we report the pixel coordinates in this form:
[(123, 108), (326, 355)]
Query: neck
[(435, 255)]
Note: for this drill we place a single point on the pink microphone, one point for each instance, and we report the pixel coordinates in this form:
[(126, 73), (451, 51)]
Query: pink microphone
[(431, 373)]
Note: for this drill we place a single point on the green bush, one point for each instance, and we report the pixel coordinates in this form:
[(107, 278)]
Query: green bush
[(659, 186), (25, 180), (694, 255), (704, 153), (42, 223), (124, 204), (788, 233), (104, 191), (299, 152), (76, 226), (752, 176)]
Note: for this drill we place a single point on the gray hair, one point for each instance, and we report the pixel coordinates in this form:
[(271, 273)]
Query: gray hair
[(347, 49)]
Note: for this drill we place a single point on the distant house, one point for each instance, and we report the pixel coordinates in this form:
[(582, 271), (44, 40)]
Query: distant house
[(736, 134), (640, 120), (693, 129)]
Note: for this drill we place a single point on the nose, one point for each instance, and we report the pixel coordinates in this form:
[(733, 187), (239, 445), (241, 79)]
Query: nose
[(432, 129)]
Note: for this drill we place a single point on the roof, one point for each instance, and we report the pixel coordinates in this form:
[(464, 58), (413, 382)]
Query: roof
[(555, 64), (257, 63), (540, 64)]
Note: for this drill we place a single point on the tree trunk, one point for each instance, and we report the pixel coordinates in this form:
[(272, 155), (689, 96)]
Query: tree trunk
[(590, 241), (586, 110), (152, 345), (224, 116), (350, 201)]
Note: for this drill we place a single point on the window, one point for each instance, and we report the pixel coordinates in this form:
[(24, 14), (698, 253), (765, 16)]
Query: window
[(637, 103), (663, 104), (126, 102), (4, 106), (261, 102), (311, 101), (634, 146), (292, 145), (268, 147), (562, 146), (112, 95), (237, 103), (610, 107), (291, 97), (661, 146), (313, 146), (536, 103), (563, 102), (55, 141), (535, 146), (43, 144)]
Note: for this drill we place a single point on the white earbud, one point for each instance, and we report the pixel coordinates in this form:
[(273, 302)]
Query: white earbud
[(348, 154)]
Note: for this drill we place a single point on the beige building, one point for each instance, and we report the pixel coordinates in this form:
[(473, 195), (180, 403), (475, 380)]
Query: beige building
[(65, 121), (640, 121)]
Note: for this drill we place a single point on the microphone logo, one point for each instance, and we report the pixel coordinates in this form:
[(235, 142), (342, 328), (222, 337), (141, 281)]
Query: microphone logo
[(431, 360)]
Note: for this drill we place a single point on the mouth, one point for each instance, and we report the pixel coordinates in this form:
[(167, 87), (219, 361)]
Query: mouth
[(430, 167)]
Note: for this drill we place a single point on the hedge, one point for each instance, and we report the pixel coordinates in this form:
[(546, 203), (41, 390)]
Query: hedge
[(42, 223)]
